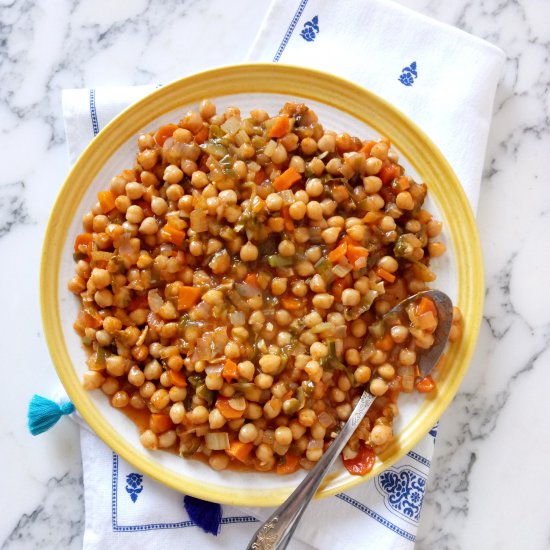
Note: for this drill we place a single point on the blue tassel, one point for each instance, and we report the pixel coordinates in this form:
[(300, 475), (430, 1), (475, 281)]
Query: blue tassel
[(206, 515), (43, 413)]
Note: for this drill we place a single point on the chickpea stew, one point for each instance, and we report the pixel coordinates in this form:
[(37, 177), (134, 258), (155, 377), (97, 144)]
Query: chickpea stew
[(229, 280)]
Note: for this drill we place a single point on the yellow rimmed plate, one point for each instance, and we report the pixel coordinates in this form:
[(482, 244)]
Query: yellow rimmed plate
[(341, 106)]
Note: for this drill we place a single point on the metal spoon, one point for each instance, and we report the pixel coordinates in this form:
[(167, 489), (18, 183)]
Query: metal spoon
[(276, 532)]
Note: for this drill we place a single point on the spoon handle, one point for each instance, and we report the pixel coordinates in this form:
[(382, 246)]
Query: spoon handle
[(276, 532)]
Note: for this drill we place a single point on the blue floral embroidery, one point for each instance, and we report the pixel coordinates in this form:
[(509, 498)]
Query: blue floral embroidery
[(134, 485), (311, 29), (403, 492), (408, 74)]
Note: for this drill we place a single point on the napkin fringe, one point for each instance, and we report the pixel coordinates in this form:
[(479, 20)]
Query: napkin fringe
[(206, 515)]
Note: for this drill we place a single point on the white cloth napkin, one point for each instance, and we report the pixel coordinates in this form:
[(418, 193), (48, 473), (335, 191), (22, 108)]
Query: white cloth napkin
[(443, 79)]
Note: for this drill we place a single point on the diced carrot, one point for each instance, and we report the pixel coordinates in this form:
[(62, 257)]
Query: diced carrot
[(386, 275), (173, 235), (130, 175), (146, 207), (106, 200), (230, 371), (292, 303), (164, 132), (339, 252), (259, 177), (362, 464), (403, 183), (177, 378), (426, 385), (289, 222), (389, 172), (239, 451), (385, 343), (287, 395), (84, 240), (138, 302), (202, 135), (160, 423), (87, 320), (252, 280), (356, 252), (339, 285), (287, 179), (288, 465), (258, 204), (188, 296), (426, 305), (280, 127), (228, 412), (367, 147)]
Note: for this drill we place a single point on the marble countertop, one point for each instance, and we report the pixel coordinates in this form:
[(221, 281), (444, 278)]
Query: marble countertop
[(487, 487)]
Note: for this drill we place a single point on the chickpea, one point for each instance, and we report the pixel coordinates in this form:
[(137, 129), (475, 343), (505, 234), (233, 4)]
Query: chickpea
[(323, 300), (167, 439), (307, 417), (380, 434), (373, 166), (100, 277), (378, 387), (148, 226), (160, 399), (248, 433), (270, 363), (362, 374), (286, 248), (207, 109), (149, 439), (274, 202), (246, 370), (218, 460), (318, 350), (351, 297), (92, 380), (297, 210), (283, 435), (215, 419), (263, 381)]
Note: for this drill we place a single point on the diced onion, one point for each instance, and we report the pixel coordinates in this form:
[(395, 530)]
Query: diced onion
[(238, 403), (341, 270), (199, 220), (407, 374), (100, 255), (246, 290), (288, 197), (315, 444), (154, 321), (219, 339), (270, 148), (348, 453), (214, 369), (154, 300), (321, 327), (217, 441), (237, 318), (124, 246), (325, 419), (232, 125)]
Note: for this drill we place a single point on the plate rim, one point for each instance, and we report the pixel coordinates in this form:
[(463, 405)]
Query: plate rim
[(49, 278)]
